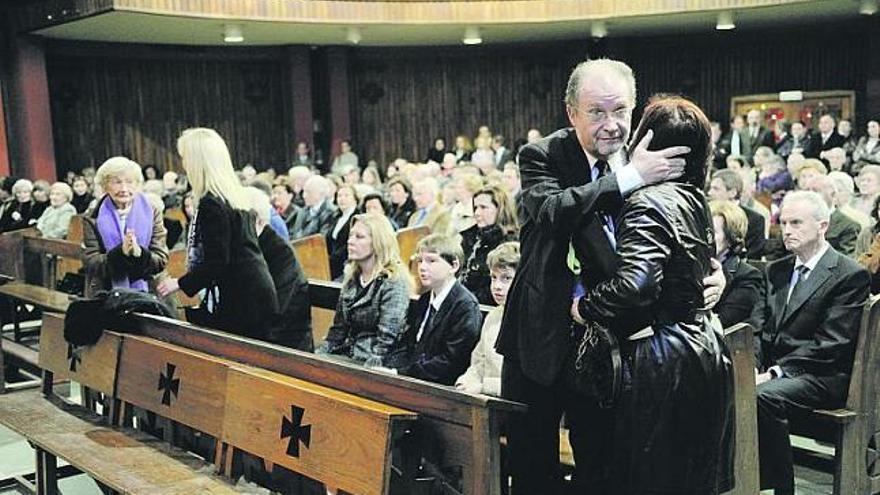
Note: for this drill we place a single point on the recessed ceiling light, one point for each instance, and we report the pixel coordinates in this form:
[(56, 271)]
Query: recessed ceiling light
[(472, 36), (353, 35), (232, 33), (725, 21), (598, 30)]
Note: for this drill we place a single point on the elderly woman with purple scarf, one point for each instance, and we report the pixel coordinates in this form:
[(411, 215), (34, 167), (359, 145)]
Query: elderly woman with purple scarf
[(124, 236)]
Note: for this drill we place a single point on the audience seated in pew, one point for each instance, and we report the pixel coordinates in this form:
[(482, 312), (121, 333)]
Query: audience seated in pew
[(743, 296), (728, 185), (428, 210), (375, 203), (483, 376), (813, 308), (291, 326), (346, 201), (401, 201), (842, 230), (282, 201), (371, 311), (276, 223), (21, 211), (496, 222), (82, 197), (224, 254), (55, 220), (316, 216), (124, 237), (444, 325)]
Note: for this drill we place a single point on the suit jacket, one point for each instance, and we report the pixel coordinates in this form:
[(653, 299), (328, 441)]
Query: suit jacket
[(337, 247), (439, 220), (816, 145), (561, 205), (309, 223), (743, 296), (444, 351), (816, 332), (289, 216), (764, 137), (755, 240), (842, 233)]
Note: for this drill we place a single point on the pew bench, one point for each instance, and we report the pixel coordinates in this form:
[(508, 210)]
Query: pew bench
[(854, 430), (284, 421)]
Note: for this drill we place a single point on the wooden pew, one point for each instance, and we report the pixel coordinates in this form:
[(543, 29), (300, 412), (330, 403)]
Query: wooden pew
[(854, 430), (75, 236), (740, 342), (457, 432), (176, 268), (315, 261)]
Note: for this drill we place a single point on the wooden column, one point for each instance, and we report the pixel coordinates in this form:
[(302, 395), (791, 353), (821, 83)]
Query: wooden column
[(340, 111), (4, 142), (30, 119), (299, 80), (872, 83)]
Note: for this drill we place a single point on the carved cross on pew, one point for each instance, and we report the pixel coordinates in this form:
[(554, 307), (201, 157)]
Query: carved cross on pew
[(168, 384), (73, 356), (295, 430)]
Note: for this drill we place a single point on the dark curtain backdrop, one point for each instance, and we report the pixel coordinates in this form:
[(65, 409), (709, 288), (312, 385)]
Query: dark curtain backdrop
[(403, 98), (137, 106), (115, 99)]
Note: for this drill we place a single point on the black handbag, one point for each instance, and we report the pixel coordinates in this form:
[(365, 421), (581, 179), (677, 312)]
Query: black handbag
[(597, 364)]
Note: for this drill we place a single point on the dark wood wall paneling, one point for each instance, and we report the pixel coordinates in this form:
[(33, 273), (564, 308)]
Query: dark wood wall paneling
[(403, 98), (135, 101)]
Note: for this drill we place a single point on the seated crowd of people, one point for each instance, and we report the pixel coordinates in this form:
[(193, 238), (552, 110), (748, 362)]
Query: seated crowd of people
[(772, 194)]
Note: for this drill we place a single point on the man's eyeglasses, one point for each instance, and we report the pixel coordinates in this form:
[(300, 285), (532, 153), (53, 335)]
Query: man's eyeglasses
[(596, 115)]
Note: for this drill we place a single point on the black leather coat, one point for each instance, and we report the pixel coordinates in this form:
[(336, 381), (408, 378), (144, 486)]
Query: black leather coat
[(675, 417)]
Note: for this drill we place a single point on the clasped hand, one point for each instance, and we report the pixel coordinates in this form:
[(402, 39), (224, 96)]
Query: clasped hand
[(130, 246)]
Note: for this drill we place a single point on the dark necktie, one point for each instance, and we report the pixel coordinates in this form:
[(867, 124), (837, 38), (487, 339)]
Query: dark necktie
[(601, 169), (802, 272), (428, 321)]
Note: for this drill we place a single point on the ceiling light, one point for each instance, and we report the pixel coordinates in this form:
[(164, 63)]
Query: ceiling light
[(725, 21), (232, 33), (598, 30), (868, 7), (472, 36), (353, 35)]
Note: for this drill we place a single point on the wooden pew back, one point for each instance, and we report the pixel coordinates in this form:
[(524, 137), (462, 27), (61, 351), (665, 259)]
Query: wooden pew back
[(740, 342), (93, 366), (176, 268), (315, 261)]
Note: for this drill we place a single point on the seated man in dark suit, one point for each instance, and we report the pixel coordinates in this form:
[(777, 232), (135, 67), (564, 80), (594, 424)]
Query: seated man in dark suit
[(814, 306), (825, 138), (317, 216), (727, 185), (842, 230), (443, 327)]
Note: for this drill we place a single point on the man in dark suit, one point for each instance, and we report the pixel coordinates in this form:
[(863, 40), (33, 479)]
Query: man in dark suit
[(727, 185), (825, 139), (842, 230), (731, 142), (569, 200), (502, 153), (317, 214), (755, 135), (443, 327), (814, 301)]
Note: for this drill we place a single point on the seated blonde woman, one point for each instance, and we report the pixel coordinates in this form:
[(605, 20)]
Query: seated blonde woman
[(55, 220), (124, 235)]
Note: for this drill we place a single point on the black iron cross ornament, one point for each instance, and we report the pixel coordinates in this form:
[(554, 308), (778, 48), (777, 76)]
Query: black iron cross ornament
[(168, 384), (73, 357), (296, 431)]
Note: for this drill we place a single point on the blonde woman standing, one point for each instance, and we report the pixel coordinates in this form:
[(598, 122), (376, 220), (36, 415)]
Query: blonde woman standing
[(223, 257)]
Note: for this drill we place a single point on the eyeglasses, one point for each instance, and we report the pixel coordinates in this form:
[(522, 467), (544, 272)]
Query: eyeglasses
[(595, 115)]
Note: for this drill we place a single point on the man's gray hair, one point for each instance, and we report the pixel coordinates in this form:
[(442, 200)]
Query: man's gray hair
[(589, 67), (820, 210)]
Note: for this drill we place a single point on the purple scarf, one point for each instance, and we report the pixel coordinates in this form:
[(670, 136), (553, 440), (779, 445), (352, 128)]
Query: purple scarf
[(140, 219)]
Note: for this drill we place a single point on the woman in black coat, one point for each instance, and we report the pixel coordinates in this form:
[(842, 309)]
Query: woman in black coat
[(401, 200), (346, 200), (743, 297), (496, 223), (674, 416), (23, 211), (224, 257)]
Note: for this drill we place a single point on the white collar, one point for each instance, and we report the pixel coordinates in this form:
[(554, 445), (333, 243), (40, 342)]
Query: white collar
[(437, 300), (812, 262), (615, 161)]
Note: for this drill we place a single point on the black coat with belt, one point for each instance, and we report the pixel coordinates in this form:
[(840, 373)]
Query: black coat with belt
[(229, 259), (561, 205)]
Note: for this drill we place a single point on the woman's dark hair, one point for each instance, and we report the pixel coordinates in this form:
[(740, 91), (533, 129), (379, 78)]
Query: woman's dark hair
[(506, 218), (374, 196), (403, 183), (875, 215), (677, 121)]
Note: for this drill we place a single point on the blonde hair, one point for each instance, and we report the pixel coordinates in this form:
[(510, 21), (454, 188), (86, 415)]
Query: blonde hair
[(506, 255), (814, 164), (385, 250), (736, 223), (64, 188), (473, 183), (118, 166), (22, 184), (208, 166)]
